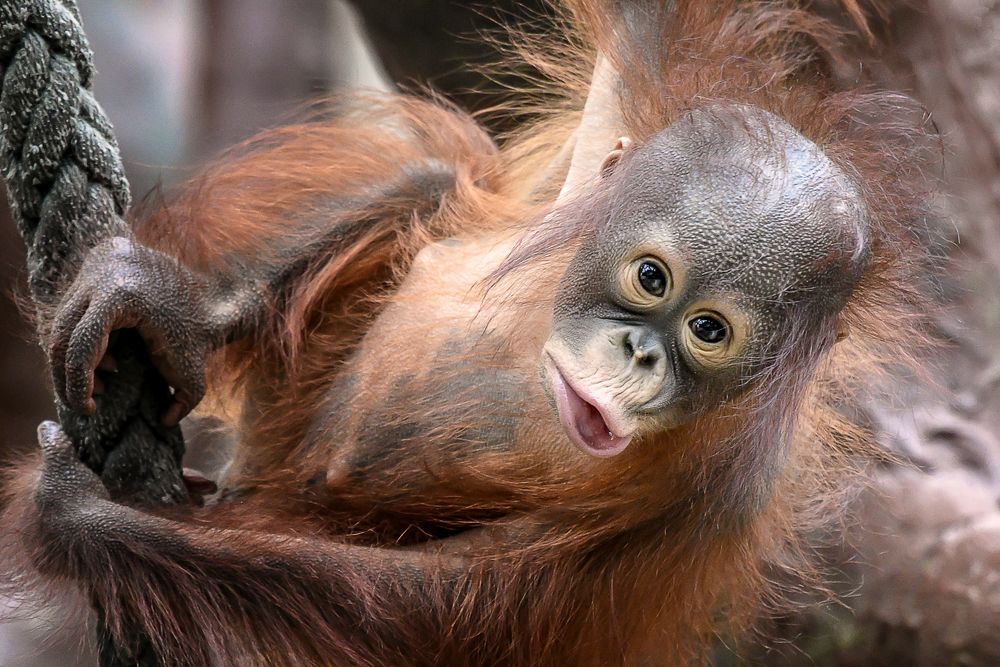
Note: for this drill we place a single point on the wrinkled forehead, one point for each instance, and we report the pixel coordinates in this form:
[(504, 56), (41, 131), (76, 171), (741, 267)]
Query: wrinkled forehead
[(750, 203)]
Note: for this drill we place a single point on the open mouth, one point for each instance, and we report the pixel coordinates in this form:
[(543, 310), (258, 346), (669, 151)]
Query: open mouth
[(584, 420)]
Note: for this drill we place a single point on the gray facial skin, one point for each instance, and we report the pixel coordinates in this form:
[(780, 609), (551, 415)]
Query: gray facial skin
[(756, 228)]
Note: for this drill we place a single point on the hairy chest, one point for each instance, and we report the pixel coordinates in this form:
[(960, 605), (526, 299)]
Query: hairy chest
[(444, 386)]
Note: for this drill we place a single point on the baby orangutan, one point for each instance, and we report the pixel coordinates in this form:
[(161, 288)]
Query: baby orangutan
[(568, 402)]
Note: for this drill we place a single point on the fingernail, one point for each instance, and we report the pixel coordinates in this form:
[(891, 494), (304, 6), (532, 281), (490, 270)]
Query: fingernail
[(173, 415), (108, 364), (47, 430), (198, 483)]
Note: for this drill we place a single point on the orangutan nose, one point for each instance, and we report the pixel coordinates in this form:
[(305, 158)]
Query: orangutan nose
[(642, 347)]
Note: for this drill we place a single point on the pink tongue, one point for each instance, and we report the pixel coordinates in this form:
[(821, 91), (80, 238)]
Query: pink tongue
[(592, 427)]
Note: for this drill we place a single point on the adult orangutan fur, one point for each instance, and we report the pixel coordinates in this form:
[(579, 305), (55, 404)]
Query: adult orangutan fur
[(410, 298)]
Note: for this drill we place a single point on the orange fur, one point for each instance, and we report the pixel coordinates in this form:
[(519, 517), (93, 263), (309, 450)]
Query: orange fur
[(630, 561)]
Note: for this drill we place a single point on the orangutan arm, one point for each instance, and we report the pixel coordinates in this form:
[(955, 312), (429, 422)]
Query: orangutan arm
[(190, 586), (184, 314)]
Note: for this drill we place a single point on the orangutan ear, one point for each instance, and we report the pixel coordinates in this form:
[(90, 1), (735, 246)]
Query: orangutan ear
[(611, 161)]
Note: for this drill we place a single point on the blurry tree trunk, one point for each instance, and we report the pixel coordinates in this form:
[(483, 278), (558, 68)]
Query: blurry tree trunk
[(24, 394), (932, 589), (921, 564), (262, 61), (439, 44)]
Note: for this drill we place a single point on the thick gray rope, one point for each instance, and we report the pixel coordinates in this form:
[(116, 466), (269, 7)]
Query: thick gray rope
[(68, 192), (64, 176)]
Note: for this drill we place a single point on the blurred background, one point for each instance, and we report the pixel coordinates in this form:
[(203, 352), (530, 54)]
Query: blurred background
[(918, 571)]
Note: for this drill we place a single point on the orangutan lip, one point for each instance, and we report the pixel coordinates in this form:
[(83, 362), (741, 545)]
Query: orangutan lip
[(584, 419)]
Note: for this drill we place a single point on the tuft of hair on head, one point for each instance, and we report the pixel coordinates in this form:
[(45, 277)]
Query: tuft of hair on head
[(674, 57), (795, 429)]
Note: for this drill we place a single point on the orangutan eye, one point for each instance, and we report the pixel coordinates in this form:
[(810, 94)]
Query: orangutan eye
[(708, 329), (652, 279), (645, 282)]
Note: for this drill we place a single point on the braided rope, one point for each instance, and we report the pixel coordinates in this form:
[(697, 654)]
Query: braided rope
[(67, 191), (59, 157)]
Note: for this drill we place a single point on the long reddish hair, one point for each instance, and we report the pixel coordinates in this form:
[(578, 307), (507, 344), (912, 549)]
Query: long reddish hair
[(647, 558)]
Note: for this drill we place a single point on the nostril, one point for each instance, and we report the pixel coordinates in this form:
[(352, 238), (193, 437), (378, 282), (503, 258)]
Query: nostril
[(641, 349), (628, 348), (645, 357)]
